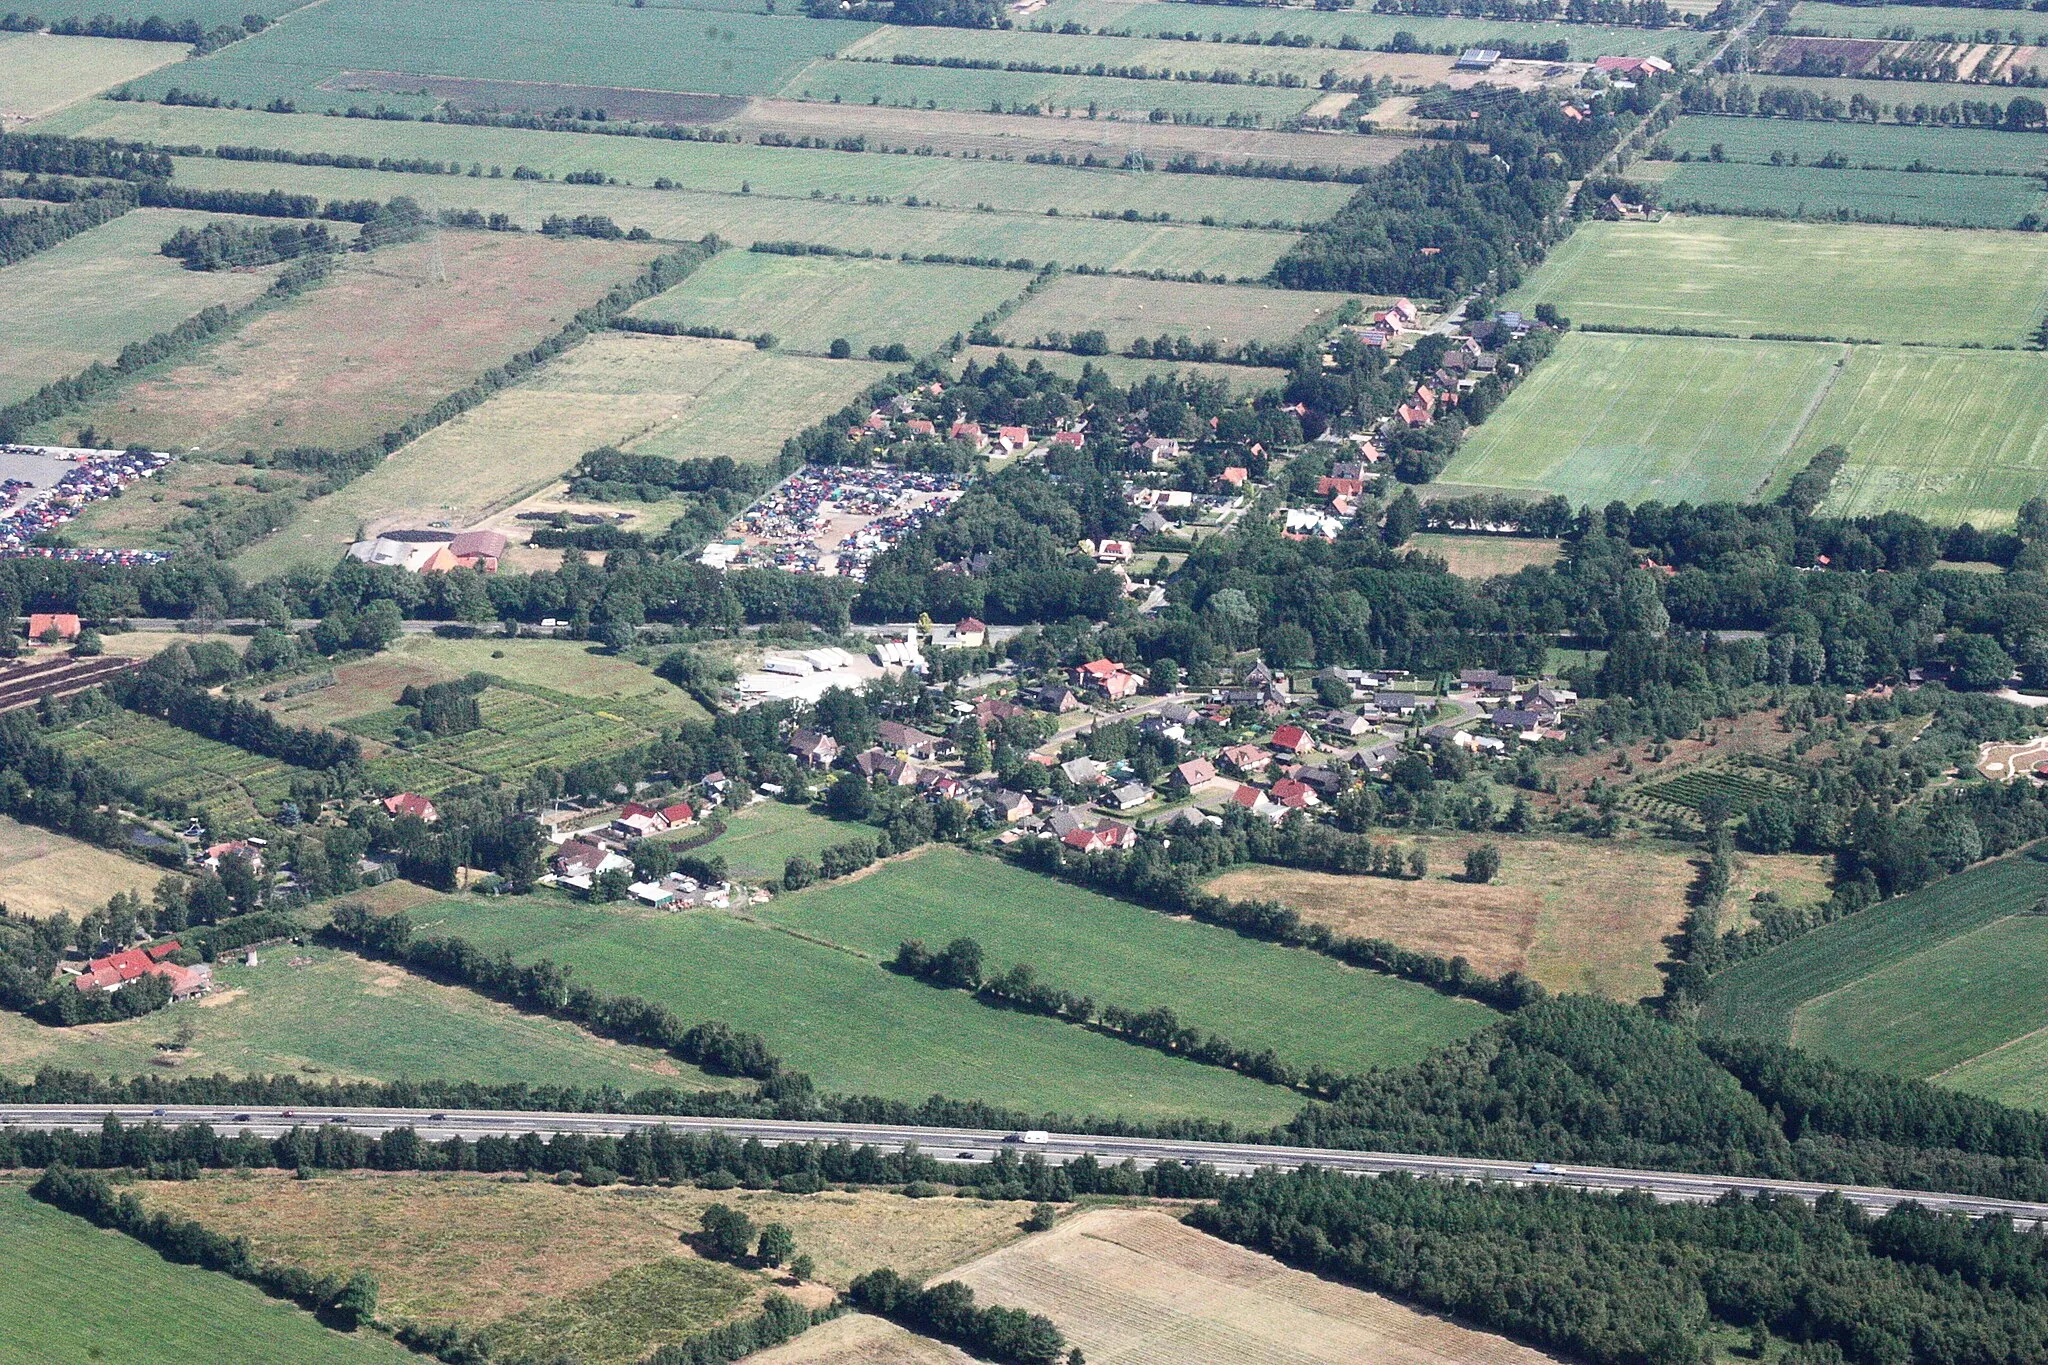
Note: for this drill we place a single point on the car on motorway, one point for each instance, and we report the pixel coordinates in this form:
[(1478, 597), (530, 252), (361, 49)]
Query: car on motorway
[(241, 1118), (335, 1118), (436, 1118), (158, 1111), (287, 1113), (1543, 1168)]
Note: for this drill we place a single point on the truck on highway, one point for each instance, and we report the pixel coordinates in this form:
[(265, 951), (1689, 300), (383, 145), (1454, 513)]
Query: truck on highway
[(1037, 1137)]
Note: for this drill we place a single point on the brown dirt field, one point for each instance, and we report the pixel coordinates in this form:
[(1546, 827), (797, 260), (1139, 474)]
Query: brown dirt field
[(387, 338), (1488, 556), (1576, 914), (858, 1339), (1137, 1287), (1015, 136), (477, 1248)]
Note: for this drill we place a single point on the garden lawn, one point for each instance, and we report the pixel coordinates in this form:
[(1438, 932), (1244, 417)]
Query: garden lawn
[(852, 1026), (1306, 1007), (760, 839), (686, 215), (1747, 276), (86, 298), (1759, 998), (341, 1017), (958, 182), (808, 302), (1893, 196), (653, 48), (71, 1291), (1864, 144), (1937, 1009), (1633, 417)]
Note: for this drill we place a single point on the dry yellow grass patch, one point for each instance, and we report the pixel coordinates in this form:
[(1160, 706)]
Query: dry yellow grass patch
[(1136, 1287), (1487, 556), (42, 873), (42, 72), (479, 1248), (1576, 914), (858, 1339)]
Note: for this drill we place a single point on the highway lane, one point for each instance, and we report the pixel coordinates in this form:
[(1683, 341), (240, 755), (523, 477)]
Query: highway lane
[(973, 1145)]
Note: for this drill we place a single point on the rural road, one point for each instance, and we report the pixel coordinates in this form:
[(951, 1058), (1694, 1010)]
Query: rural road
[(968, 1145)]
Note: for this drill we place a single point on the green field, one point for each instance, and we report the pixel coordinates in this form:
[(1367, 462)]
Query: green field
[(853, 1026), (1807, 192), (761, 838), (1887, 145), (1306, 1007), (1952, 436), (225, 787), (1063, 49), (786, 172), (1751, 275), (1759, 998), (1879, 21), (920, 87), (675, 396), (70, 1291), (1888, 95), (41, 72), (210, 13), (807, 302), (1127, 309), (1330, 26), (1637, 417), (520, 40), (84, 299), (343, 1017), (685, 215), (1124, 370)]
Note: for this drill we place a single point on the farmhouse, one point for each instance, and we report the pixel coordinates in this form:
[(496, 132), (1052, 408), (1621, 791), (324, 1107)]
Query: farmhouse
[(116, 970), (42, 623), (418, 807), (580, 861), (432, 551), (636, 821)]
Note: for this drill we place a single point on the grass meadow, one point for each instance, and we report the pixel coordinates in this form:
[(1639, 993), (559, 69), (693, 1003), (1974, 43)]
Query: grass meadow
[(104, 1296), (41, 72), (1331, 26), (1306, 1007), (521, 40), (961, 182), (1747, 275), (1887, 145), (86, 298), (1888, 95), (851, 1025), (677, 396), (1951, 436), (1125, 309), (345, 1018), (760, 839), (388, 337), (1878, 21), (1759, 998), (918, 87), (209, 13), (42, 873), (807, 302), (685, 215), (1672, 418), (1807, 192)]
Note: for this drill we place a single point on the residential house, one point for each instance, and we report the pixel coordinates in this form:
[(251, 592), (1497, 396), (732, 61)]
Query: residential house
[(970, 634), (244, 848), (1179, 713), (873, 763), (1129, 796), (1256, 802), (1072, 440), (1328, 782), (1348, 724), (1084, 772), (1291, 739), (1232, 480), (1515, 721), (1099, 838), (815, 749), (1151, 524), (635, 821), (969, 432), (579, 862), (42, 623), (1063, 821), (1398, 703), (1478, 743), (1013, 440), (1330, 486), (1195, 774), (1159, 450), (993, 711), (906, 739), (918, 426), (1006, 804), (1108, 677), (406, 803), (1053, 698), (1247, 759), (1293, 793), (678, 814)]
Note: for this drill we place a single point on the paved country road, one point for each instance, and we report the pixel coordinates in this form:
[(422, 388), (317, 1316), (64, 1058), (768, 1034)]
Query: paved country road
[(968, 1145)]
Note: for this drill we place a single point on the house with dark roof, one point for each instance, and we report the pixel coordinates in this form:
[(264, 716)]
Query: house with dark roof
[(811, 747)]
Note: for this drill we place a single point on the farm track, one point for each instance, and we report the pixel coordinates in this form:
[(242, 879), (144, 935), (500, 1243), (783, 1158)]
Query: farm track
[(30, 683)]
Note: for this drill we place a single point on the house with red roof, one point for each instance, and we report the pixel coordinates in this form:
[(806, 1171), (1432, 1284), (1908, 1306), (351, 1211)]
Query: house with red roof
[(112, 972), (969, 432), (1108, 677), (970, 633), (1013, 439), (1292, 739), (679, 814), (407, 803), (41, 623), (1232, 479), (1294, 793)]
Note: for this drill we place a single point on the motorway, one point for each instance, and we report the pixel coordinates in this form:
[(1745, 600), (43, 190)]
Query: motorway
[(971, 1145)]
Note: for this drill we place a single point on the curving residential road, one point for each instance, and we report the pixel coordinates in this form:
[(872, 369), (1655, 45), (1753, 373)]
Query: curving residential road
[(971, 1145)]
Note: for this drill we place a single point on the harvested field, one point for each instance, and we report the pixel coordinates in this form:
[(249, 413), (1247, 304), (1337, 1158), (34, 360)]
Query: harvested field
[(1673, 418), (614, 389), (86, 298), (337, 1016), (858, 1339), (28, 681), (1138, 1287), (40, 72), (935, 177), (1574, 915), (616, 102), (388, 337), (1020, 92), (439, 1243), (1127, 309), (42, 873), (653, 48), (1488, 556), (1836, 280), (686, 215), (1924, 198), (106, 1297), (808, 302)]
